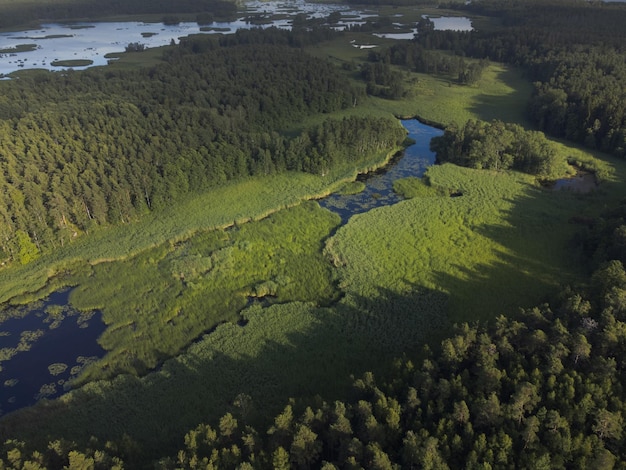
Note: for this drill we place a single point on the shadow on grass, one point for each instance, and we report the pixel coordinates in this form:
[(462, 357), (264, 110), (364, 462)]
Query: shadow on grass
[(509, 106), (535, 257), (297, 350), (291, 350)]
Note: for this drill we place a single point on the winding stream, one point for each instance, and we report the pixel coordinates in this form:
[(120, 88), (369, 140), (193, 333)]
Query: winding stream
[(413, 161), (47, 343)]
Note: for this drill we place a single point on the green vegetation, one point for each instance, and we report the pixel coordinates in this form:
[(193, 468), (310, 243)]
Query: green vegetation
[(503, 233), (499, 146), (573, 52), (289, 312), (19, 48), (71, 63), (142, 140), (418, 187), (155, 303), (353, 187)]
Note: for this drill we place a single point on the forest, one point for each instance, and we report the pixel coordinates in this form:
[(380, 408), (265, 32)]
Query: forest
[(498, 146), (574, 57), (140, 140), (479, 323)]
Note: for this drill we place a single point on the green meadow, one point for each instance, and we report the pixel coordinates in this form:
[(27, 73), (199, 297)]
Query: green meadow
[(235, 203), (156, 302), (288, 309)]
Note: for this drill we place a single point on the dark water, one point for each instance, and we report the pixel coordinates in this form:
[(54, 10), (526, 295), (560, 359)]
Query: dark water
[(378, 192), (582, 183), (42, 347)]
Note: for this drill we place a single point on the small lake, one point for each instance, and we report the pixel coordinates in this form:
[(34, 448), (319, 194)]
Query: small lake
[(92, 41), (43, 346), (413, 161), (582, 183)]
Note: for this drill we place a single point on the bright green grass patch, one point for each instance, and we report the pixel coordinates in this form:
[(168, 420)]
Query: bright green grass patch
[(418, 187), (500, 245), (156, 303), (237, 202), (353, 187), (501, 93)]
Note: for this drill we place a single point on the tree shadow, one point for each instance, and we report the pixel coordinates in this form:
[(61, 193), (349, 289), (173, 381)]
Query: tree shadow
[(284, 351), (535, 259), (507, 107)]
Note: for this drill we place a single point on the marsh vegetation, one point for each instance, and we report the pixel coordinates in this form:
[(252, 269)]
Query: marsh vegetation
[(225, 294)]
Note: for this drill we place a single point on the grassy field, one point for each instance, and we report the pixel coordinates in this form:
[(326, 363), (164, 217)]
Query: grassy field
[(231, 204), (500, 244), (405, 271), (155, 303), (501, 93)]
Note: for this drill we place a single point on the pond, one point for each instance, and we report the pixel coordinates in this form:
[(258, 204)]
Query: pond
[(52, 46), (581, 183), (43, 346), (413, 161)]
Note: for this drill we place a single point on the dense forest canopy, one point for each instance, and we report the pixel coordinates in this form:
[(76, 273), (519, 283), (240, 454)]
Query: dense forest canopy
[(498, 146), (573, 51), (543, 388), (100, 147)]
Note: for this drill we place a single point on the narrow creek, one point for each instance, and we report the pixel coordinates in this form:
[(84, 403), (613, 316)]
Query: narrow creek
[(45, 344)]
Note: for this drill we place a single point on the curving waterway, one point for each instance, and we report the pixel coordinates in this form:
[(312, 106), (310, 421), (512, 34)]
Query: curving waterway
[(413, 161), (45, 344)]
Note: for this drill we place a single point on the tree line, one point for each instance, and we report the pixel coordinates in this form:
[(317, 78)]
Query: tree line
[(426, 59), (85, 149), (19, 13), (573, 51), (497, 146)]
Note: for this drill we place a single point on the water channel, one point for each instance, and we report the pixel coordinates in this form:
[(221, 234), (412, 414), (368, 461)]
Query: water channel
[(45, 344)]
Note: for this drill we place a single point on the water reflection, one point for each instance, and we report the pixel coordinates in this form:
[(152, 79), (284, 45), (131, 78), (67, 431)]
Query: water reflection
[(92, 41), (42, 347), (378, 191)]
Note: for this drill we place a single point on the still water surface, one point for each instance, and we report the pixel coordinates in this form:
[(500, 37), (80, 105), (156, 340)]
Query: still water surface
[(42, 347), (378, 191), (92, 41)]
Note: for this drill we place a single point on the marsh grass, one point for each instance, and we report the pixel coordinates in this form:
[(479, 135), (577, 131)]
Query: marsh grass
[(71, 63), (419, 187), (502, 244), (156, 303), (235, 203), (353, 187)]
